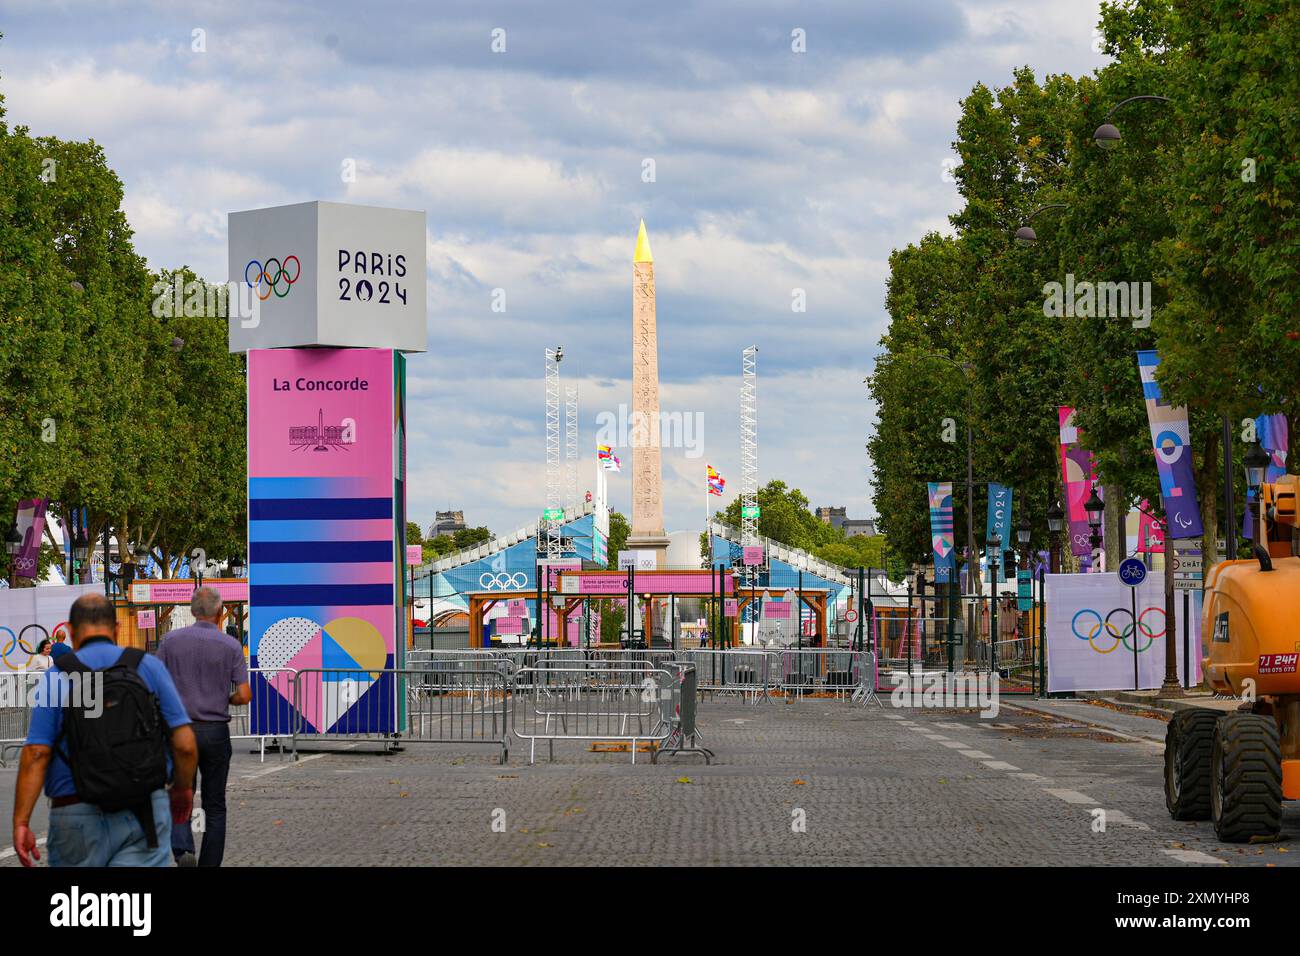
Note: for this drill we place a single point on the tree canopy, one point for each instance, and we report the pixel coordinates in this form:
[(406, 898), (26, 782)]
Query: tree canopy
[(1193, 211)]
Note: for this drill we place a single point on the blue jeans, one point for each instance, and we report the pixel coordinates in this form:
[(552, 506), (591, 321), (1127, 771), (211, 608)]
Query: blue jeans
[(85, 835), (214, 767)]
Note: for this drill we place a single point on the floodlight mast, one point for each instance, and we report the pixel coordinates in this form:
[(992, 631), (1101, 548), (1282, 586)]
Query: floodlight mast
[(549, 527), (749, 454), (571, 445)]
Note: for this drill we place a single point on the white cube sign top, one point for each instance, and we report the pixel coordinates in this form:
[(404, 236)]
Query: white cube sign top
[(330, 274)]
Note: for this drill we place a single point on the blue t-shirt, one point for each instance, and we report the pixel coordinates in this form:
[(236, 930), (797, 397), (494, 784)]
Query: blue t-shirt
[(47, 716)]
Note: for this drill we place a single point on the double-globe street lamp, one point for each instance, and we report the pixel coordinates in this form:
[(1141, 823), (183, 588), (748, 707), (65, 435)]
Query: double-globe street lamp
[(1256, 463), (13, 545), (1096, 508)]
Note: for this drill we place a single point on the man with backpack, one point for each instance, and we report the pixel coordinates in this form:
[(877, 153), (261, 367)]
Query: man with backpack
[(211, 674), (98, 741)]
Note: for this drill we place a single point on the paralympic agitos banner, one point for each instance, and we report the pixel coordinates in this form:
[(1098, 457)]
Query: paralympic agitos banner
[(1077, 474), (945, 561), (1171, 440)]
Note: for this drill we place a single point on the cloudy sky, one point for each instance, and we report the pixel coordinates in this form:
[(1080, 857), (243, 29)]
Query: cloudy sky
[(773, 171)]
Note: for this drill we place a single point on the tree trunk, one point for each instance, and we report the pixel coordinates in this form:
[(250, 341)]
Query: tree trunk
[(1207, 486), (1113, 525)]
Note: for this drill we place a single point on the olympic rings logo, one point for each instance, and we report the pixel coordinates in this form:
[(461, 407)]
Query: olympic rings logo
[(1120, 635), (502, 580), (16, 642), (272, 279)]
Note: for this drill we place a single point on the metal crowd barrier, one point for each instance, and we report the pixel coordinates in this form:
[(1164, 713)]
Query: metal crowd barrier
[(678, 711), (748, 672), (275, 720), (820, 670), (15, 709), (457, 707), (328, 695), (619, 704)]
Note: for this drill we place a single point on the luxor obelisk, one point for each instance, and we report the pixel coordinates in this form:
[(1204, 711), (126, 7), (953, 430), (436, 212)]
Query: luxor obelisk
[(647, 532)]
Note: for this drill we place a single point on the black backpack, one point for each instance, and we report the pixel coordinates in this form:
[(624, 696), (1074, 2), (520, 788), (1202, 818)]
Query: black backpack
[(119, 758)]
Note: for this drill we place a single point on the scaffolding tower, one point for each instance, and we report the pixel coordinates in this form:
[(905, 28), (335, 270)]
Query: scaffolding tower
[(549, 527), (571, 446), (749, 447)]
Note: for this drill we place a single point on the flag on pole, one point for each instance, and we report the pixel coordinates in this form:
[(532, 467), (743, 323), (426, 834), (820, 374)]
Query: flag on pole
[(604, 452), (612, 463), (716, 482)]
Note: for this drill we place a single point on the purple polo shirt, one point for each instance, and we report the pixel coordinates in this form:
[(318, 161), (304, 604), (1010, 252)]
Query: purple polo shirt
[(206, 664)]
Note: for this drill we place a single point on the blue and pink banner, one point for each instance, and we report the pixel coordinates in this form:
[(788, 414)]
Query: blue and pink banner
[(325, 529), (998, 525), (1077, 475), (945, 560), (1171, 439), (31, 525)]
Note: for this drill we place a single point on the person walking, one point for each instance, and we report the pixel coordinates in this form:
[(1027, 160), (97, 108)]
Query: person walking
[(211, 674), (98, 743)]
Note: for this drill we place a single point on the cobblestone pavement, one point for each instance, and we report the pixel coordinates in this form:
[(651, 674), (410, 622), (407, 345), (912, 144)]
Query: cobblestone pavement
[(872, 786)]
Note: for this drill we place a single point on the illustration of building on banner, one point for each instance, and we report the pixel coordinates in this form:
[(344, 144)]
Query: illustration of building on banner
[(1171, 439), (941, 534)]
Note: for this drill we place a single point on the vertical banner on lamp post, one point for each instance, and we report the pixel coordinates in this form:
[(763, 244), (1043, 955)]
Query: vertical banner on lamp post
[(1077, 474), (1171, 439), (941, 530), (31, 525), (999, 525), (1271, 432)]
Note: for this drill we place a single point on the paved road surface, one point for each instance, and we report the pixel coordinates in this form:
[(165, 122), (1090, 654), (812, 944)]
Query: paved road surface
[(924, 787)]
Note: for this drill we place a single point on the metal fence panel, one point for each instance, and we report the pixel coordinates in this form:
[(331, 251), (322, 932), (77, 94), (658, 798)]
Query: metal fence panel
[(616, 704)]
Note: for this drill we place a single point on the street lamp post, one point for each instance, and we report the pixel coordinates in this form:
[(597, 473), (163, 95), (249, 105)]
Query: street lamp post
[(1055, 525), (1095, 508), (80, 552), (1257, 462), (1024, 532), (1025, 235), (13, 544), (993, 555)]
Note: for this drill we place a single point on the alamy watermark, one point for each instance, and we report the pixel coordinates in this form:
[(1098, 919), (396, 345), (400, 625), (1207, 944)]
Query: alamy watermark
[(1102, 300), (204, 300), (630, 429), (29, 691), (941, 690)]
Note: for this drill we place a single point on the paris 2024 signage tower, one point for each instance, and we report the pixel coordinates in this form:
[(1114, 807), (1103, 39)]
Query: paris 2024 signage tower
[(340, 299)]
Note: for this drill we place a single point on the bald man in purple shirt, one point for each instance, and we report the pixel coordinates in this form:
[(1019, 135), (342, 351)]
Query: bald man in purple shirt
[(211, 673)]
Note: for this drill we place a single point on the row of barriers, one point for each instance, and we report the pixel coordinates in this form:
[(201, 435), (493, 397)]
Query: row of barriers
[(629, 697), (753, 673), (456, 698)]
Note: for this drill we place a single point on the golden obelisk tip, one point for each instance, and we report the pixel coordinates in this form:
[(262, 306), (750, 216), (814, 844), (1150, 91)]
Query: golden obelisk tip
[(642, 253)]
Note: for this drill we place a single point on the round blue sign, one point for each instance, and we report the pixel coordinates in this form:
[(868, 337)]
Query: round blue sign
[(1132, 572)]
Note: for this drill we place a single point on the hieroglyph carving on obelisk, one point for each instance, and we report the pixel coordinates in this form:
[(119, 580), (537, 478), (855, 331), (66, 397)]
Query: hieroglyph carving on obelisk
[(647, 479)]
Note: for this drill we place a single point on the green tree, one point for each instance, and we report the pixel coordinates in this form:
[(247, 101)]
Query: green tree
[(619, 529)]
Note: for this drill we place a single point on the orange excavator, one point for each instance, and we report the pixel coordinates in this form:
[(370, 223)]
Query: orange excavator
[(1236, 768)]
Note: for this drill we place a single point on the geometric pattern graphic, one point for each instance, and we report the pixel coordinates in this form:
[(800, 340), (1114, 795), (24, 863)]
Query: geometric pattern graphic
[(324, 535)]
